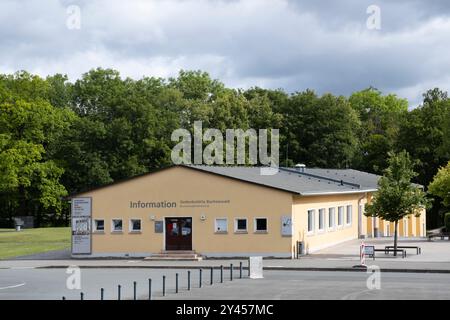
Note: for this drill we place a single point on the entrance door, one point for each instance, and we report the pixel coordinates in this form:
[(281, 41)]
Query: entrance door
[(178, 233)]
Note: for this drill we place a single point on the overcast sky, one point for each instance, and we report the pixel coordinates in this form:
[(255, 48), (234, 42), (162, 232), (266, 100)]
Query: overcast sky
[(294, 45)]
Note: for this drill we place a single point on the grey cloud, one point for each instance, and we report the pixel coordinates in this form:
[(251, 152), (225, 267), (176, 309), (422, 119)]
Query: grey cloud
[(323, 45)]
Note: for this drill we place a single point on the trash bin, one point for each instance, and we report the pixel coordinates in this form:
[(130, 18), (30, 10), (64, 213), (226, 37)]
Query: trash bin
[(300, 248), (18, 226)]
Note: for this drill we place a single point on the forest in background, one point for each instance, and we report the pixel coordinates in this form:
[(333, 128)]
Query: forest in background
[(59, 137)]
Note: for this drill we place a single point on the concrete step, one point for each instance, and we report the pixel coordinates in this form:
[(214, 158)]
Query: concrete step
[(178, 251), (159, 257)]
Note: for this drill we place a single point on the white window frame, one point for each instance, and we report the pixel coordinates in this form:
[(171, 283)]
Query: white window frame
[(112, 225), (215, 225), (130, 225), (95, 226), (332, 228), (311, 232), (324, 220), (260, 231), (236, 225), (343, 217), (347, 223)]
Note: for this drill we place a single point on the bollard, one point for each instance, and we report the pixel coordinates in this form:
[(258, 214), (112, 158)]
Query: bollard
[(249, 267), (221, 274), (211, 278), (118, 291), (149, 289), (200, 279), (240, 269), (64, 298), (81, 296), (189, 280), (176, 283), (231, 272), (134, 290), (164, 286), (102, 293)]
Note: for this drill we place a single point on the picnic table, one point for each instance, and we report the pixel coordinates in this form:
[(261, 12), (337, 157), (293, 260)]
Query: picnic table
[(441, 235), (418, 249), (386, 251)]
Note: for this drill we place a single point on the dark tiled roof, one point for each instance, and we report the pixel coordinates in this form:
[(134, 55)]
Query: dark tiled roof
[(310, 182)]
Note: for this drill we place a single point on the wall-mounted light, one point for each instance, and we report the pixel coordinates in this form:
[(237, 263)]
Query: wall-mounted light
[(152, 218), (203, 217)]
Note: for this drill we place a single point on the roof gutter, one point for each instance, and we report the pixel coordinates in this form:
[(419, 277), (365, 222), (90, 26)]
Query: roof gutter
[(339, 192)]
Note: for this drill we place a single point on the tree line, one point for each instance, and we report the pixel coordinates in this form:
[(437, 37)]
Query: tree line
[(59, 137)]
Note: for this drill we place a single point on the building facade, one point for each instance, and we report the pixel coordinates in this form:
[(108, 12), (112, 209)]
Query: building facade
[(228, 212)]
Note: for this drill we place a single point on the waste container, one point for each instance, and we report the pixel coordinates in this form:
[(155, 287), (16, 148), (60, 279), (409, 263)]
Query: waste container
[(300, 248)]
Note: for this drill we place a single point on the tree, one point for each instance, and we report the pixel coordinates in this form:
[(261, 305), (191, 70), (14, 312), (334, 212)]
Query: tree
[(322, 131), (397, 197), (380, 116), (440, 186), (422, 134)]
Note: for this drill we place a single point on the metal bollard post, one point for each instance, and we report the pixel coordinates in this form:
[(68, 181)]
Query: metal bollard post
[(164, 286), (240, 269), (231, 272), (81, 296), (118, 291), (149, 289), (189, 280), (102, 293), (211, 278), (134, 290), (200, 279), (176, 283), (221, 274)]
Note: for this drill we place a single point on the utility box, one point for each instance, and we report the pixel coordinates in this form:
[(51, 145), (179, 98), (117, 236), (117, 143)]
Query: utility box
[(24, 222)]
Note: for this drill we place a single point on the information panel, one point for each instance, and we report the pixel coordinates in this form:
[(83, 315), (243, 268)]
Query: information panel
[(81, 225), (286, 226)]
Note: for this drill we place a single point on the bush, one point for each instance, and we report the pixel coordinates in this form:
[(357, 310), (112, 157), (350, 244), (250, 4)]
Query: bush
[(447, 221)]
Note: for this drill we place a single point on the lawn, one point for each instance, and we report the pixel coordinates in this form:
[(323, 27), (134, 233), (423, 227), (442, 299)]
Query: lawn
[(31, 241)]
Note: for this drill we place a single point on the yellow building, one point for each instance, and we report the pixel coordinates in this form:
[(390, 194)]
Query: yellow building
[(219, 211)]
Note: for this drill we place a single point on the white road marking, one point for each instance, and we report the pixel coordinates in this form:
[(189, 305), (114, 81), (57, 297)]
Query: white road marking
[(11, 287)]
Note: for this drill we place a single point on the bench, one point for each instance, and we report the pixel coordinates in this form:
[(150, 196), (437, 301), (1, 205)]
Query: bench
[(386, 251), (418, 249), (441, 235)]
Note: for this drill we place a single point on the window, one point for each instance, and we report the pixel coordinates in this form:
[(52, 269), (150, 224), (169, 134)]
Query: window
[(221, 225), (135, 225), (240, 225), (260, 224), (331, 218), (116, 225), (349, 215), (99, 225), (311, 220), (321, 219), (340, 216)]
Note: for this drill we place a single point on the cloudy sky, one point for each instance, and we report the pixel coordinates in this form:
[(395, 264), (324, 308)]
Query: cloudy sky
[(323, 45)]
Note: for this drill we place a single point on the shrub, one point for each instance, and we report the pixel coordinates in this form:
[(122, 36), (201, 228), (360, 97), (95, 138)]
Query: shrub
[(447, 221)]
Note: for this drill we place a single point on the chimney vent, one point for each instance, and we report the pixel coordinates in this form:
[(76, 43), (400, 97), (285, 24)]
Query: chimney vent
[(300, 167)]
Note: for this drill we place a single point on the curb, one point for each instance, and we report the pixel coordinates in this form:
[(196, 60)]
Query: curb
[(336, 269)]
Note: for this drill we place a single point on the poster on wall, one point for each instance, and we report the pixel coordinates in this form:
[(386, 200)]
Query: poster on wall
[(286, 225), (81, 225)]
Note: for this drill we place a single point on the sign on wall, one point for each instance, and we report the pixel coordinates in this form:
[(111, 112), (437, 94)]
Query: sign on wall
[(159, 226), (286, 225), (81, 210)]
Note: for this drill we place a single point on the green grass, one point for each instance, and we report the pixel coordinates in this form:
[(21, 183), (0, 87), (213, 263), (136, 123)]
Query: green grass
[(31, 241)]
